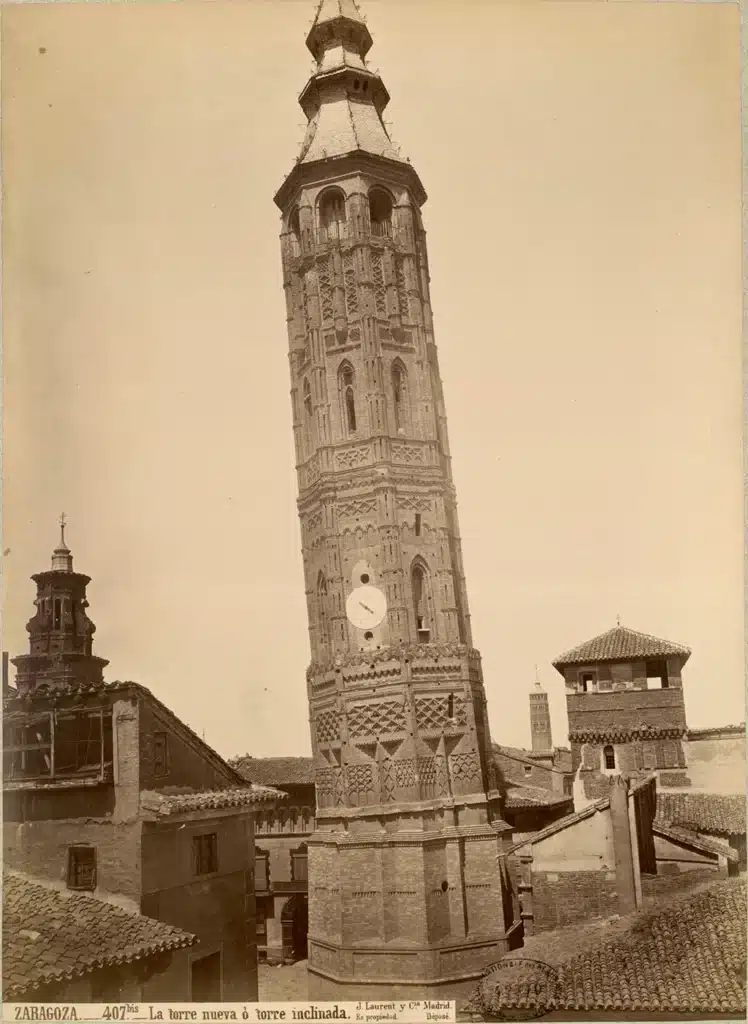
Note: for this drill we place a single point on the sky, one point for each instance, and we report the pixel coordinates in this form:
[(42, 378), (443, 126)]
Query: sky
[(582, 162)]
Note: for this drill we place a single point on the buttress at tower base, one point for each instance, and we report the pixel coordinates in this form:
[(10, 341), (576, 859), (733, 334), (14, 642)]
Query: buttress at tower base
[(409, 887)]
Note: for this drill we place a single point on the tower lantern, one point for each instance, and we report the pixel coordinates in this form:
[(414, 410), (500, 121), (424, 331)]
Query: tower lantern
[(407, 880)]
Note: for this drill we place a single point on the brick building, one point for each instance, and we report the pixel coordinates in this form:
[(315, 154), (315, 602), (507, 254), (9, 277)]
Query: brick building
[(408, 884), (624, 698), (281, 835), (107, 792)]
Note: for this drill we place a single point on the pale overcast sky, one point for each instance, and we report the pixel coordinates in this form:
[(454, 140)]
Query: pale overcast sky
[(583, 169)]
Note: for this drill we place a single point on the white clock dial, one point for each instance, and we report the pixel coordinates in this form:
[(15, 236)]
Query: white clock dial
[(366, 607)]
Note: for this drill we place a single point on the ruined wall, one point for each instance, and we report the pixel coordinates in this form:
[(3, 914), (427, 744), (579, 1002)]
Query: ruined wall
[(716, 760), (185, 763)]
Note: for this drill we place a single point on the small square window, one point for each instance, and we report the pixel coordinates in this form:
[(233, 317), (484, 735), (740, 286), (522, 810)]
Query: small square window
[(205, 853), (82, 868), (160, 754)]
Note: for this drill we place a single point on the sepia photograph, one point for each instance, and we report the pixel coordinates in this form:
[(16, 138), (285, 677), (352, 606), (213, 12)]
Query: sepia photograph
[(373, 538)]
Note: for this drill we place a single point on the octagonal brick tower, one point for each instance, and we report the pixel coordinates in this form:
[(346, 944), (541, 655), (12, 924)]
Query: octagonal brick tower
[(407, 879)]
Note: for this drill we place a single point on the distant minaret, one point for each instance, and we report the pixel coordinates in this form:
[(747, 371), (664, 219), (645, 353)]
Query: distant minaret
[(540, 718)]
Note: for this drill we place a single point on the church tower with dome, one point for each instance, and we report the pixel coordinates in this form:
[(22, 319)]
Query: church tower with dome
[(408, 884)]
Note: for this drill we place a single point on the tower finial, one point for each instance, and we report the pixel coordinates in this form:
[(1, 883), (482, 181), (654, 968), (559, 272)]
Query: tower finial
[(618, 620), (61, 557)]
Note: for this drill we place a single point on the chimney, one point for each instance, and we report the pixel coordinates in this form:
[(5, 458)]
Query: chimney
[(622, 844)]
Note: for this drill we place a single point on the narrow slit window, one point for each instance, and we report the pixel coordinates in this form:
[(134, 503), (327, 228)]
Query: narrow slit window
[(418, 524)]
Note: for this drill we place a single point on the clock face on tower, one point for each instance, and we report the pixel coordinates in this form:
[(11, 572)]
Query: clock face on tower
[(366, 607)]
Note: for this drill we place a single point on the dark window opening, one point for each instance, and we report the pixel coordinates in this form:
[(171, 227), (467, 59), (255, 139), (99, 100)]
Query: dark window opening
[(444, 886), (299, 864), (307, 398), (205, 853), (419, 601), (398, 395), (57, 613), (587, 681), (657, 677), (451, 706), (350, 410), (609, 756), (418, 524), (332, 214), (262, 871), (160, 754), (528, 769), (380, 212), (57, 744), (368, 635), (82, 868), (364, 577)]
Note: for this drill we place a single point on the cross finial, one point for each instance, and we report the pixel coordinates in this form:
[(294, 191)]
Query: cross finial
[(618, 620), (63, 523)]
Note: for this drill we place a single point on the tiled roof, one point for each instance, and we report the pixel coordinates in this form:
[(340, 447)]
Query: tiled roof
[(717, 730), (586, 812), (527, 757), (275, 771), (164, 803), (520, 796), (689, 957), (679, 834), (714, 813), (620, 644), (51, 936)]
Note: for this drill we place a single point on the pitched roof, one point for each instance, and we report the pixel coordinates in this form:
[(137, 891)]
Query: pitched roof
[(529, 757), (164, 803), (689, 957), (715, 813), (275, 771), (585, 812), (678, 834), (620, 644), (519, 796), (51, 936)]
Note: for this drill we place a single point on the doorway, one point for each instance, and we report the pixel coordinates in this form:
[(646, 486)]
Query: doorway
[(206, 979), (295, 927)]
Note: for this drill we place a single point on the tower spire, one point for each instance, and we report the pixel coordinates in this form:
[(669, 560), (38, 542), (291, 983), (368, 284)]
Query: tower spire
[(62, 559)]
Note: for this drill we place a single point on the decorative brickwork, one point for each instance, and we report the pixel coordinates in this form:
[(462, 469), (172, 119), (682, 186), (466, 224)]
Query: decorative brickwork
[(405, 754)]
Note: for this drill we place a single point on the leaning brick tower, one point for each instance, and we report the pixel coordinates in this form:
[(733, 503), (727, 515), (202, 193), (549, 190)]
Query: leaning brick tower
[(407, 880)]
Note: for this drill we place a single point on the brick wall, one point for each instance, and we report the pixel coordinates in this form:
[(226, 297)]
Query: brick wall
[(41, 848), (188, 763), (630, 709), (561, 898), (219, 908)]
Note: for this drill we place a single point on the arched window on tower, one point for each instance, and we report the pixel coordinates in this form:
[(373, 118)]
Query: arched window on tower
[(609, 758), (399, 395), (322, 612), (294, 229), (346, 386), (418, 583), (380, 212), (332, 215), (307, 427)]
